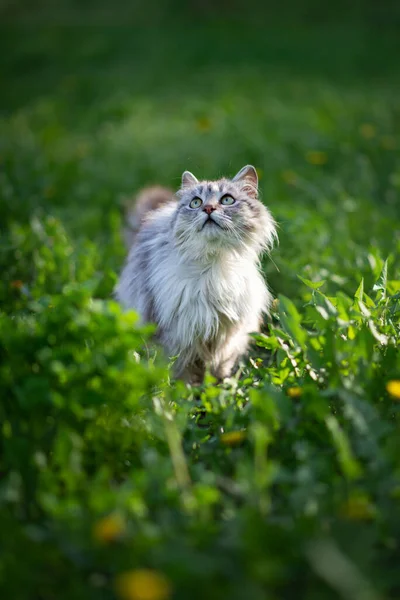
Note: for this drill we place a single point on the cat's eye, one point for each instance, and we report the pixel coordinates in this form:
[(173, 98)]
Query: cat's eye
[(195, 203), (227, 200)]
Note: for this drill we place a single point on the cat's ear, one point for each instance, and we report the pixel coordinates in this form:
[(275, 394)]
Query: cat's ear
[(188, 179), (249, 176)]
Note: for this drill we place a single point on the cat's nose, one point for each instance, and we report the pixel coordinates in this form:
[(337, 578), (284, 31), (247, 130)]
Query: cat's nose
[(209, 209)]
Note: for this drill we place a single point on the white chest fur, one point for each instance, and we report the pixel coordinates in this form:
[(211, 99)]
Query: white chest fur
[(204, 301)]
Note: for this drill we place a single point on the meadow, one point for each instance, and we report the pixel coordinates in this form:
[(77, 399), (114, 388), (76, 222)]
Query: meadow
[(116, 481)]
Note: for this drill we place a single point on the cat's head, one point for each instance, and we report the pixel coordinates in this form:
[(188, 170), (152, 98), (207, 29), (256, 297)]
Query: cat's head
[(223, 214)]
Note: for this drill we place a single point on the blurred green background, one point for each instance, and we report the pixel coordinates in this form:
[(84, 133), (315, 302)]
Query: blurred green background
[(101, 98), (97, 446)]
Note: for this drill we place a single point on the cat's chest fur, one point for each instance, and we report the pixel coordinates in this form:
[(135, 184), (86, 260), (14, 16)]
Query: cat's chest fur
[(200, 301)]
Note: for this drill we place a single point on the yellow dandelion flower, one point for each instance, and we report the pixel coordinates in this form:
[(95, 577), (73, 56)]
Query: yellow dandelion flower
[(367, 131), (393, 387), (294, 392), (233, 438), (289, 177), (109, 528), (17, 284), (358, 508), (143, 584), (203, 124), (316, 157)]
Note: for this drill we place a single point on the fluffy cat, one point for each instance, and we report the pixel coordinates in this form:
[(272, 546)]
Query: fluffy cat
[(193, 269)]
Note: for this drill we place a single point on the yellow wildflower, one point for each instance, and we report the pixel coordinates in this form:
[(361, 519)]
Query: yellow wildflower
[(109, 528), (143, 584), (358, 508), (393, 387), (203, 124), (316, 157), (294, 392), (233, 438), (367, 131), (289, 177)]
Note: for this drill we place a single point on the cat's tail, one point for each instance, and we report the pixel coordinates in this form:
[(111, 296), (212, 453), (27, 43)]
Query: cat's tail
[(147, 200)]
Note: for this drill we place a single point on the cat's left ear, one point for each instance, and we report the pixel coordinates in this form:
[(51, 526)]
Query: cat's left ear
[(188, 179), (249, 176)]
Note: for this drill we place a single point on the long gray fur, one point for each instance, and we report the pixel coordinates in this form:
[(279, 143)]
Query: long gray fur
[(196, 275)]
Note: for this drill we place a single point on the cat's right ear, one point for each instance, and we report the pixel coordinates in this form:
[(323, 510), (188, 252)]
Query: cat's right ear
[(188, 179)]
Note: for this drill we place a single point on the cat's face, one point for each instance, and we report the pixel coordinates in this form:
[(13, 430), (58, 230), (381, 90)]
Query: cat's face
[(214, 215)]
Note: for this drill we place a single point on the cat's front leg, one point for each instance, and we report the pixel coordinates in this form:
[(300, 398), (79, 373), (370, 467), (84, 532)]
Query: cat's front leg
[(192, 371), (228, 357), (225, 367)]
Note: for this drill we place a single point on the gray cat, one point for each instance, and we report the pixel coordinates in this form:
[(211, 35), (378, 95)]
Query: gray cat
[(193, 269)]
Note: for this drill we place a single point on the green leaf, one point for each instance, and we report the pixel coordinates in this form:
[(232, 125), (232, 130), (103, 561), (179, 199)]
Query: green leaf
[(381, 283), (360, 290), (324, 306), (350, 466), (393, 286), (291, 321), (314, 285)]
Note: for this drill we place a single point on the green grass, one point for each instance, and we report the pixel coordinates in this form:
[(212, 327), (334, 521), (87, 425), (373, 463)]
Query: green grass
[(303, 500)]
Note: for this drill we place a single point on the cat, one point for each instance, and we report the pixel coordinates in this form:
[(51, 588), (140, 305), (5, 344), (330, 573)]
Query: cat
[(193, 269)]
